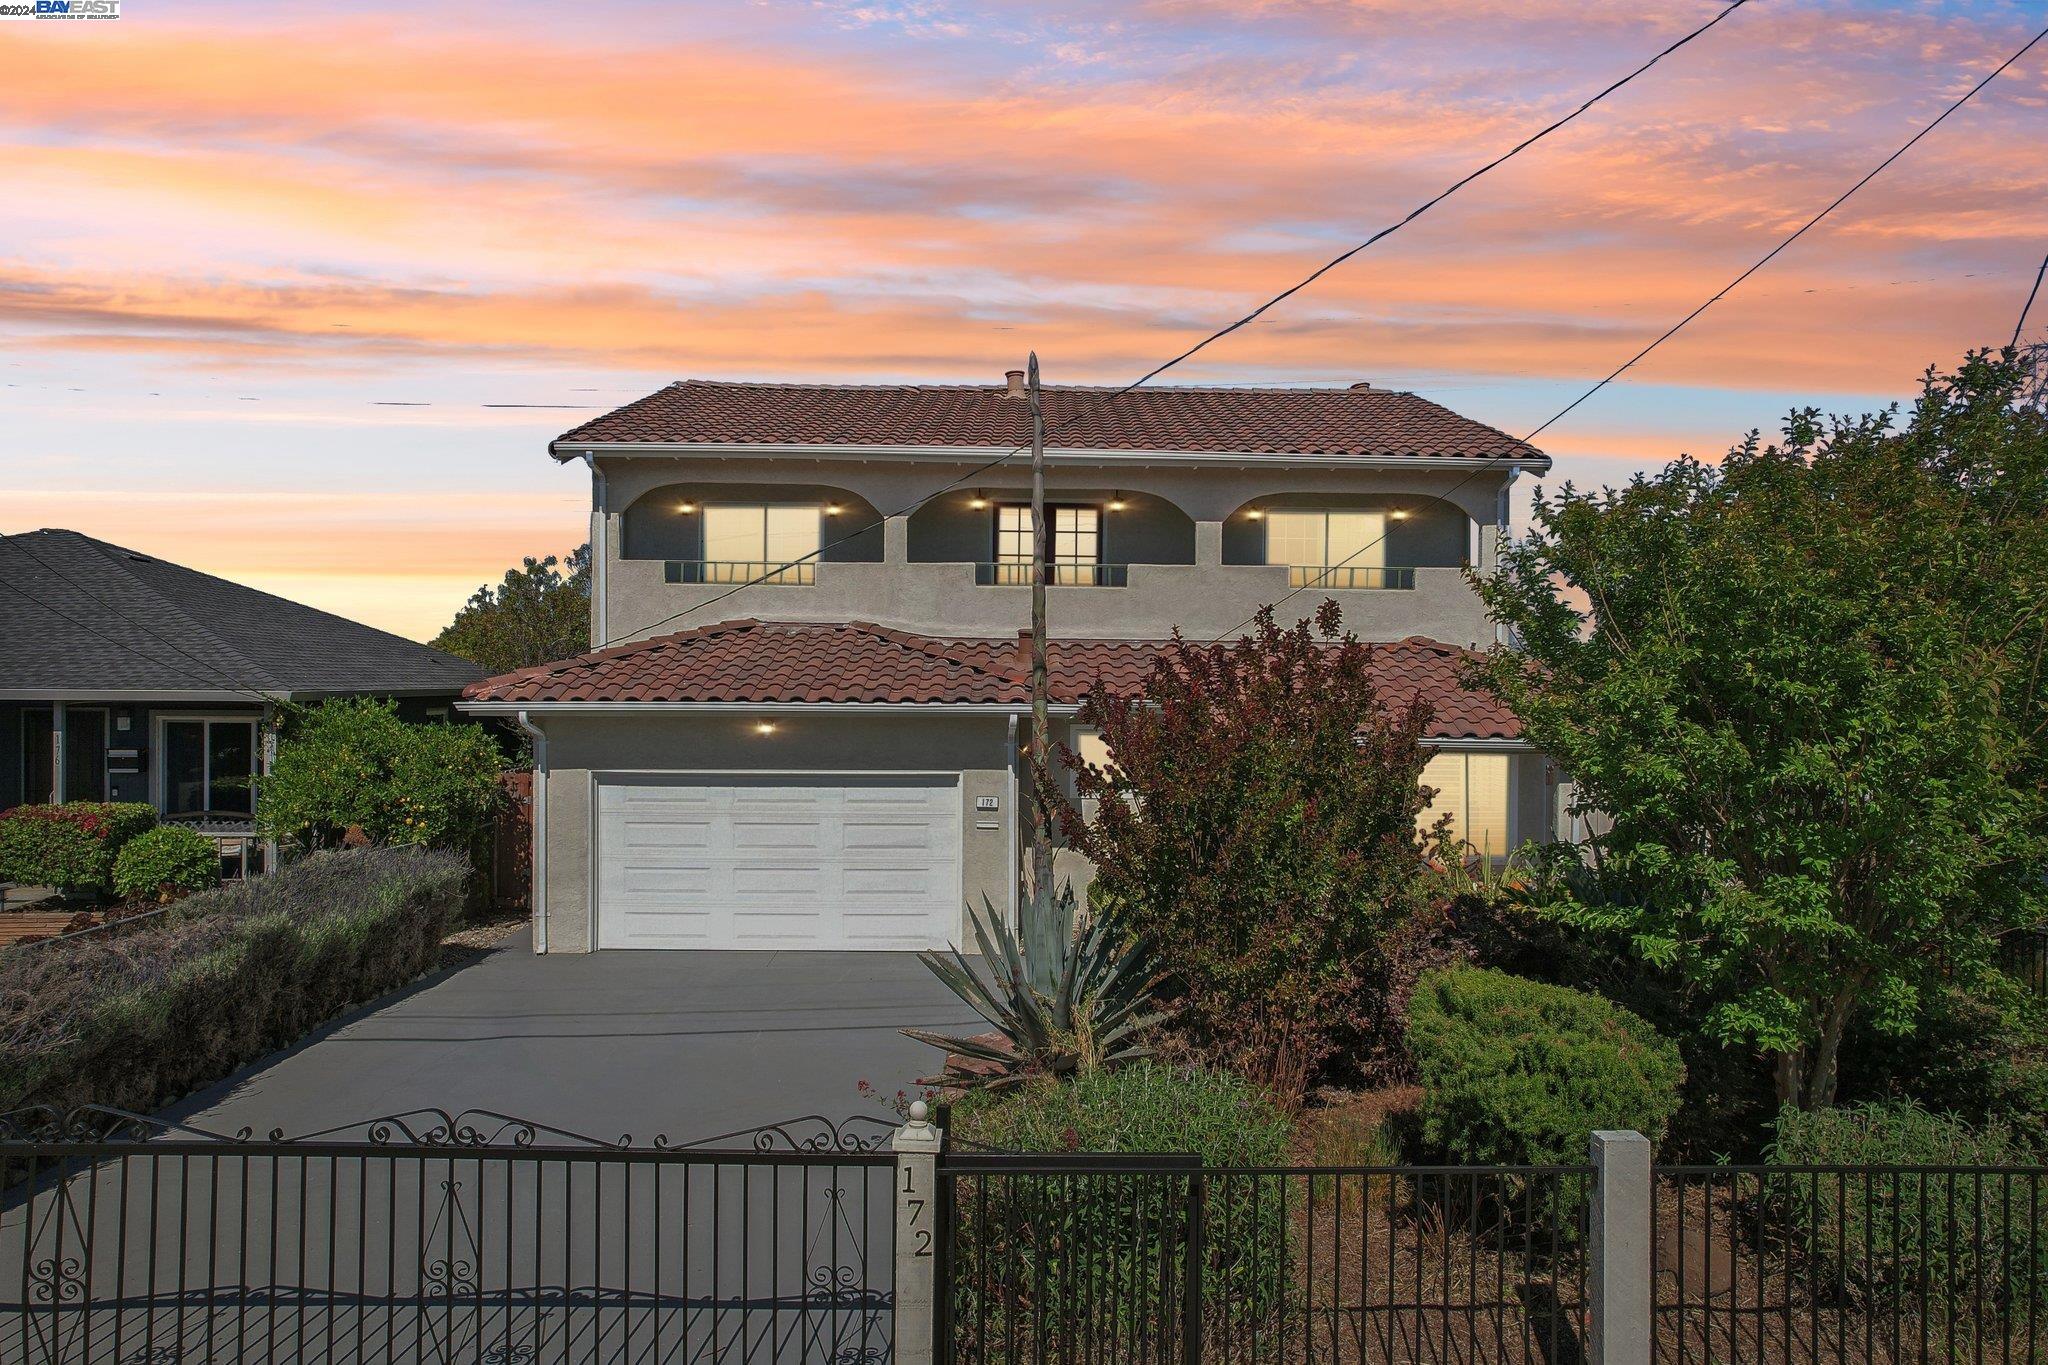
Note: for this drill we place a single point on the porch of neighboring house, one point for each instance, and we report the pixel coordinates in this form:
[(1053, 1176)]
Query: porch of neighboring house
[(193, 764)]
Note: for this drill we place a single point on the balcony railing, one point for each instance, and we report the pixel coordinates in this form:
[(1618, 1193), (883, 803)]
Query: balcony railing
[(1348, 576), (739, 571), (1017, 573)]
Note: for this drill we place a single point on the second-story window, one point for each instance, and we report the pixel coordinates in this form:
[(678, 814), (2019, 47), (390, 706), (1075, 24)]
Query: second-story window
[(1328, 548), (743, 541), (1073, 548)]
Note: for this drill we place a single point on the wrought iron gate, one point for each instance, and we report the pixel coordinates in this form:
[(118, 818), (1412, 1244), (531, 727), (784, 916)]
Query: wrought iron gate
[(436, 1237)]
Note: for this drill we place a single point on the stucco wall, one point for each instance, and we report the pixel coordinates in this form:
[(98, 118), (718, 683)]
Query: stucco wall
[(943, 599), (582, 748), (1163, 591)]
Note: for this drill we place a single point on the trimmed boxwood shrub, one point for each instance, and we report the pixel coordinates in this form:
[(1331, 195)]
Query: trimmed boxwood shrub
[(72, 846), (1517, 1072), (1026, 1241), (219, 979), (165, 863), (1963, 1239)]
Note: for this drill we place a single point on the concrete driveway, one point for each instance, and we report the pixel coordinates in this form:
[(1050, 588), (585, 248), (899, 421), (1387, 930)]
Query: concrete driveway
[(685, 1044)]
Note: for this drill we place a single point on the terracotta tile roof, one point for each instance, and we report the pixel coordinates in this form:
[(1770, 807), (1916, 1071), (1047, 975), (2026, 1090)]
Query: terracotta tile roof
[(1402, 669), (757, 661), (1278, 421), (771, 662)]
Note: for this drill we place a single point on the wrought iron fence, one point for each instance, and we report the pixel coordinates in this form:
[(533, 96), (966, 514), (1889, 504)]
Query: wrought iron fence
[(749, 571), (436, 1237), (1349, 576), (1835, 1263), (2023, 955), (1155, 1259), (1012, 573)]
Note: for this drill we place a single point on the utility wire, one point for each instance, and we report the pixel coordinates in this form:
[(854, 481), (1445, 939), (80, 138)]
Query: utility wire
[(1216, 335), (2028, 306), (1676, 327)]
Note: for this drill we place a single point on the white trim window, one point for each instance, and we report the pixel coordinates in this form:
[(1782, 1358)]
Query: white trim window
[(204, 763), (1328, 547), (744, 541), (1474, 790)]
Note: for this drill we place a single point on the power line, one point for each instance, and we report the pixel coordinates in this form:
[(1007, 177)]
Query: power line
[(1676, 327), (1216, 335), (2028, 306)]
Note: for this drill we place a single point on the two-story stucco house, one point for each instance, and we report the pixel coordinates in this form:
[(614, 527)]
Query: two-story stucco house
[(830, 759)]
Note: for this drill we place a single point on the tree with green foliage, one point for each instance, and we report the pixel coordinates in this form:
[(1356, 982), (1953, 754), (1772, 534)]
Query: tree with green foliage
[(539, 613), (352, 763), (1806, 688)]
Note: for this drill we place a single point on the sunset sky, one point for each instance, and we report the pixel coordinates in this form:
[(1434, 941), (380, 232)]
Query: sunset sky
[(297, 292)]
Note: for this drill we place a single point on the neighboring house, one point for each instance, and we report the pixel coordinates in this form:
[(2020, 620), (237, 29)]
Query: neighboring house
[(126, 678), (831, 759)]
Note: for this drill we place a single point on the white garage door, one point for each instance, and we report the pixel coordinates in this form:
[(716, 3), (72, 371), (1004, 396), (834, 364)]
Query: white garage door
[(804, 862)]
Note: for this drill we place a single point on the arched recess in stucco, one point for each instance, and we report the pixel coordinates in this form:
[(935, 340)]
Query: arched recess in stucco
[(668, 523), (1137, 527), (1423, 532)]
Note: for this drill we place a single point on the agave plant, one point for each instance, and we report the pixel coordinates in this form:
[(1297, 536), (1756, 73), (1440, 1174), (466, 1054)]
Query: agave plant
[(1096, 1013)]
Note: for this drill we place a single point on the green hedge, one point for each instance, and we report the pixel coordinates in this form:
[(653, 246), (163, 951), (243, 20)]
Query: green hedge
[(1517, 1072), (165, 863), (1027, 1241), (139, 1019), (72, 846), (1959, 1237)]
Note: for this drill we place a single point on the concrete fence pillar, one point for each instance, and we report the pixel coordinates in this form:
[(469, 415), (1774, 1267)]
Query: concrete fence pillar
[(917, 1145), (1619, 1274)]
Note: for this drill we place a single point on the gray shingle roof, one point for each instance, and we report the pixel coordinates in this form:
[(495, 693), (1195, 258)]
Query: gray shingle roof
[(1359, 422), (78, 614)]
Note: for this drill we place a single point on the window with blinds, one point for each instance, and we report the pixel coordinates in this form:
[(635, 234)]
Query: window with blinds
[(742, 541), (1473, 790), (1327, 548)]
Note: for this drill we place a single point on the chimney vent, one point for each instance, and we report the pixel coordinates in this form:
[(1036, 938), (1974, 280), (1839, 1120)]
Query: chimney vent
[(1016, 382), (1362, 384)]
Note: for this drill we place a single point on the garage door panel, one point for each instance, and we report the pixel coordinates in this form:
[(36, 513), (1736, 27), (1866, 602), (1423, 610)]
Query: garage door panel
[(638, 881), (779, 862), (797, 836), (641, 833)]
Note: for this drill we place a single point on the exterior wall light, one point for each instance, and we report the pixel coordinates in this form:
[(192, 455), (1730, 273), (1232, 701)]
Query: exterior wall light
[(978, 502), (686, 507), (1399, 514), (764, 727), (1116, 502), (831, 509), (1254, 514)]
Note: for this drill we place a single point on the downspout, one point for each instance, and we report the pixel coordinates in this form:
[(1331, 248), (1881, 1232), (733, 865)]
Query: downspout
[(1016, 801), (600, 552), (539, 891)]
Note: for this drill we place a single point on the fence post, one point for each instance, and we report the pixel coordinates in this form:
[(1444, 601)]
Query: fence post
[(917, 1145), (1620, 1275)]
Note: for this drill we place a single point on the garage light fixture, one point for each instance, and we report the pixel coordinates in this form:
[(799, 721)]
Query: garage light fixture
[(764, 727)]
